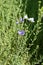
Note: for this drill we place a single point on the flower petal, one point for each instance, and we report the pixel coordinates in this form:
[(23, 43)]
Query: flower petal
[(25, 17), (31, 19)]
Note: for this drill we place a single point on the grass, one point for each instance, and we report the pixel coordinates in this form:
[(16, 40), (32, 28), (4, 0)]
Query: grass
[(18, 49)]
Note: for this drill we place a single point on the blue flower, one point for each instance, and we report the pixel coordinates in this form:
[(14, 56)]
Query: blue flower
[(22, 32), (21, 20), (17, 22)]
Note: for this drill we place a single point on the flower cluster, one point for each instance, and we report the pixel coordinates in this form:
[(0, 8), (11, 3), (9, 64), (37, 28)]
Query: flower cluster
[(22, 32), (29, 19)]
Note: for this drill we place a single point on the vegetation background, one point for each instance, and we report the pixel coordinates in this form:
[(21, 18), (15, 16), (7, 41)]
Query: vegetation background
[(14, 48)]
